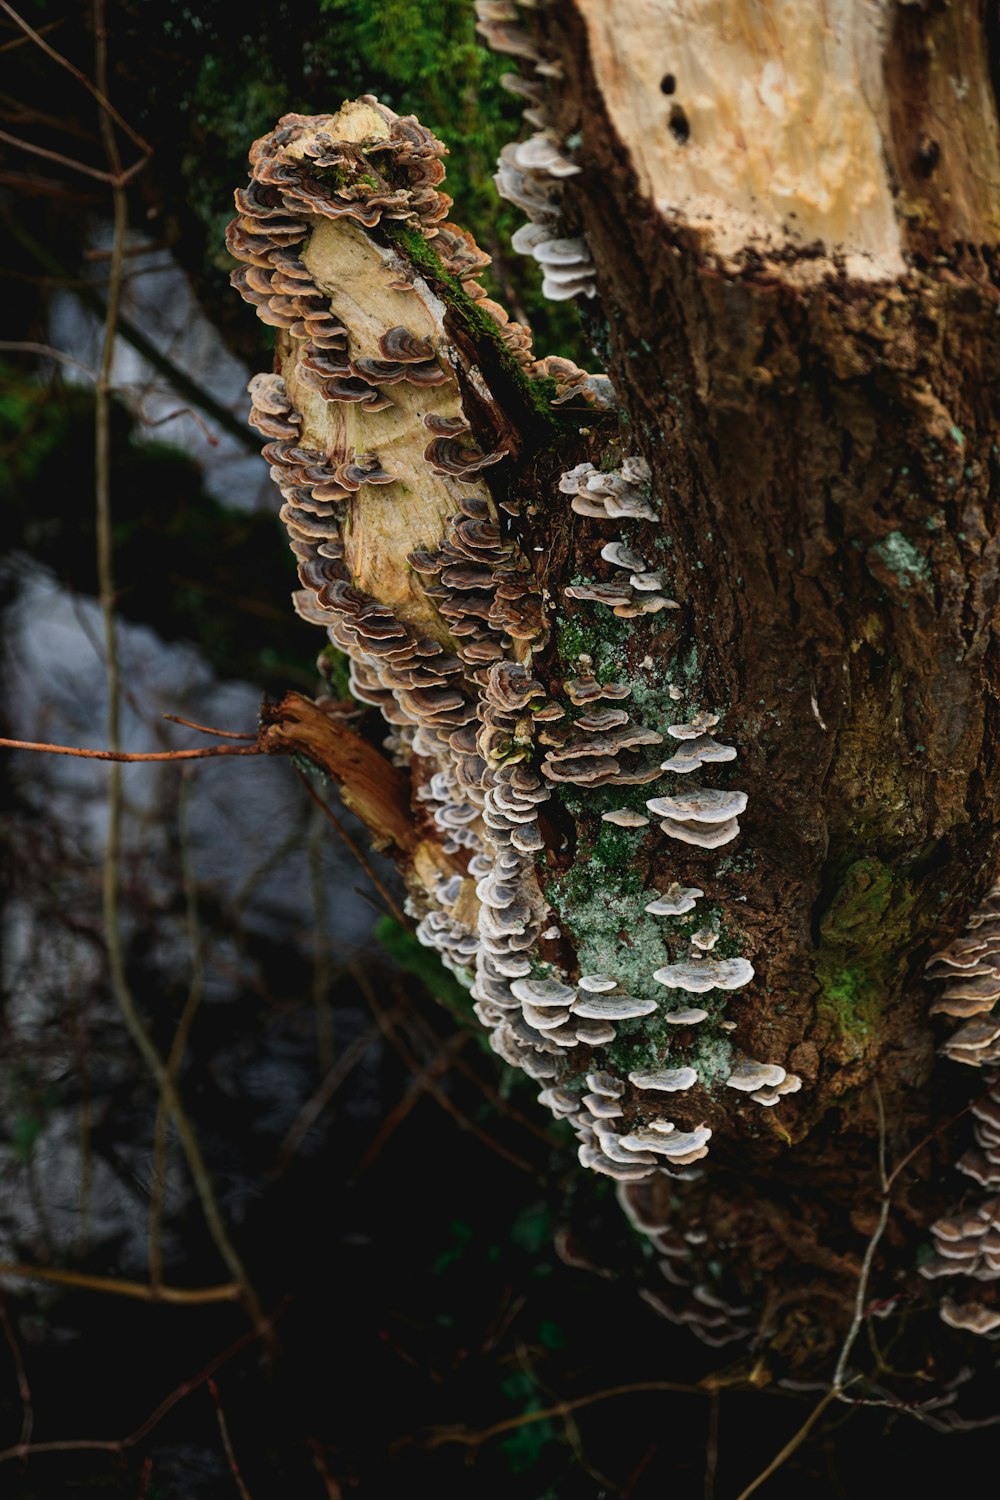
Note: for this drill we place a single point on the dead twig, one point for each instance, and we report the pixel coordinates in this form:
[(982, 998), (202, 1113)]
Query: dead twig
[(793, 1443), (861, 1293), (222, 734), (126, 757), (355, 848), (426, 1075), (46, 351), (227, 1291), (560, 1409), (838, 1389), (318, 1102), (178, 1047), (94, 89), (120, 1446), (420, 1083), (115, 180), (120, 985), (227, 1442), (23, 1385)]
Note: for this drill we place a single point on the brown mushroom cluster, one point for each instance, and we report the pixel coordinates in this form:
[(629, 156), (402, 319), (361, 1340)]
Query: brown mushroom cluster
[(967, 1243), (367, 437)]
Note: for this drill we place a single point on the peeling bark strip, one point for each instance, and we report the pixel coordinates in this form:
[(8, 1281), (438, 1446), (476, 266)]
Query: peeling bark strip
[(573, 641)]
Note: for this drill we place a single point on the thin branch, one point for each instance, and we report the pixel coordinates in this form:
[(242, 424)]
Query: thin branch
[(322, 975), (793, 1443), (179, 379), (116, 180), (206, 752), (120, 986), (178, 1047), (46, 351), (223, 734), (23, 1384), (712, 1447), (355, 848), (560, 1409), (424, 1076), (318, 1102), (180, 411), (861, 1294), (95, 90), (422, 1082), (20, 41), (227, 1441), (838, 1389), (226, 1291), (120, 1446)]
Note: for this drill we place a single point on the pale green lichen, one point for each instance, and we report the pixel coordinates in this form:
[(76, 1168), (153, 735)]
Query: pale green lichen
[(905, 562)]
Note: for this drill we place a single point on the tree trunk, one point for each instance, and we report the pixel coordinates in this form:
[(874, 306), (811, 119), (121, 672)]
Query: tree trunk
[(789, 216)]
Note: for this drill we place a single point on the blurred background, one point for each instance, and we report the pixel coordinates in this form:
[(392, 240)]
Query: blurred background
[(359, 1257)]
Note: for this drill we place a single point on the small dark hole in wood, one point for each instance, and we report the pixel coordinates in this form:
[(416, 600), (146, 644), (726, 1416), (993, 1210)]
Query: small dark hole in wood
[(928, 155), (679, 127), (668, 83)]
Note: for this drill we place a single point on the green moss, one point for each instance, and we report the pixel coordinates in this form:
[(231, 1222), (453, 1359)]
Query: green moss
[(421, 253), (863, 935), (425, 965), (336, 668)]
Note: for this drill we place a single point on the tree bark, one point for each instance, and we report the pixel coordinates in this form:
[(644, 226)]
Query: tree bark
[(792, 220)]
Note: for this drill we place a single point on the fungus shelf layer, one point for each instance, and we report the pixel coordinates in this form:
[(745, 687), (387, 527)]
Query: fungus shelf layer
[(392, 453)]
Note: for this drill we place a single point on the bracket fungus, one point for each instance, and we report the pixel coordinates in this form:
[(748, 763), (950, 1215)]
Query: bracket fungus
[(385, 440)]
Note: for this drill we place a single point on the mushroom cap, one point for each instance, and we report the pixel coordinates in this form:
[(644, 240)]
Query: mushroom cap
[(699, 724), (675, 901), (625, 817), (544, 1019), (613, 1007), (971, 1317), (697, 752), (593, 1033), (647, 583), (543, 992), (689, 1016), (749, 1076), (700, 804), (560, 1101), (606, 1083), (603, 1108), (668, 1080), (593, 1157), (703, 836), (621, 556), (597, 984), (610, 1143), (675, 1144), (645, 604), (700, 975)]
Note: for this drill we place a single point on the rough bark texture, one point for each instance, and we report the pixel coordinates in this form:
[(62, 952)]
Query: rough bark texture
[(824, 450), (792, 219)]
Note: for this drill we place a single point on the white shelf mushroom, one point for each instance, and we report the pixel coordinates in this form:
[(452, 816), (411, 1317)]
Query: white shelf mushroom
[(667, 1080), (675, 901), (697, 976)]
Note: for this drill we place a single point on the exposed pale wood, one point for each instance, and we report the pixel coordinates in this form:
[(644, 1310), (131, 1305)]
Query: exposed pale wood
[(786, 110)]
